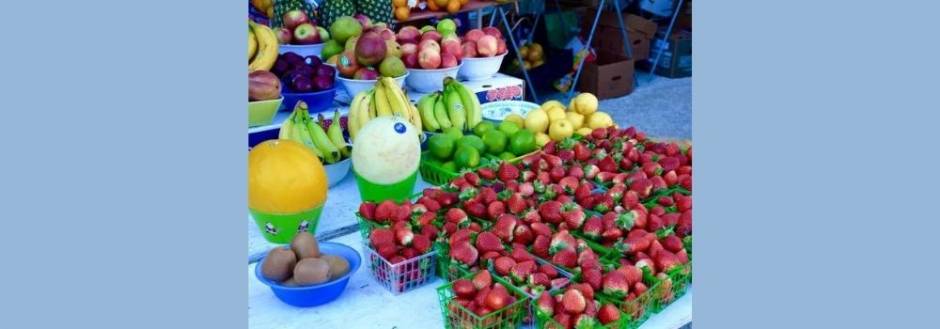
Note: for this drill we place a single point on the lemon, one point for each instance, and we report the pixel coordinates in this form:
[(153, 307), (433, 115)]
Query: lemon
[(536, 121), (560, 130), (584, 131), (576, 119), (552, 103), (515, 118), (586, 103), (555, 114), (541, 139), (599, 120)]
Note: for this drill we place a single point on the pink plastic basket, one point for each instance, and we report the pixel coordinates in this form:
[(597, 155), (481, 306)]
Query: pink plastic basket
[(404, 276)]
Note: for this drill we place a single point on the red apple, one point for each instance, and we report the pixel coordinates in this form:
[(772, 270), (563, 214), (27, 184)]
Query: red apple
[(451, 45), (487, 46), (284, 36), (408, 34), (428, 58), (501, 47), (489, 30), (294, 18), (366, 73), (306, 34), (448, 60), (473, 35), (409, 48), (411, 60), (386, 33), (431, 35), (363, 20), (469, 49), (429, 44)]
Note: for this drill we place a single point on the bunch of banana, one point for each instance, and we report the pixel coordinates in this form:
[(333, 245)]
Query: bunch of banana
[(455, 106), (327, 144), (262, 47), (385, 99)]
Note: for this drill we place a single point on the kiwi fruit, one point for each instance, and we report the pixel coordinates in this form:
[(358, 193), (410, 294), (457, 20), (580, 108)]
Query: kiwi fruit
[(290, 282), (311, 271), (338, 265), (305, 246), (278, 264)]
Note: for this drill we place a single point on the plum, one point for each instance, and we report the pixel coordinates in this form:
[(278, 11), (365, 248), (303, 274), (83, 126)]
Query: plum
[(301, 83), (313, 61), (280, 67), (323, 82), (326, 71), (293, 58)]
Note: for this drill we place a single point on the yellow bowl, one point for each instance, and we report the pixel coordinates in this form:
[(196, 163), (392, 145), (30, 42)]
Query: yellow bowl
[(262, 113)]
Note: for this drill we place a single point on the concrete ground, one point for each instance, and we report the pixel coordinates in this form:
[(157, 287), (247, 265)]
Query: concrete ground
[(661, 107)]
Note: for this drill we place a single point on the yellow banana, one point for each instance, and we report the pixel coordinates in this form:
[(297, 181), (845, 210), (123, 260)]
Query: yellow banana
[(366, 109), (426, 112), (455, 110), (252, 45), (440, 111), (470, 103), (335, 132), (267, 48), (382, 106), (353, 116), (394, 95)]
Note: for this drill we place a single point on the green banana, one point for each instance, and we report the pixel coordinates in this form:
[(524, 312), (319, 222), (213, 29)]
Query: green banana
[(455, 110), (320, 139), (440, 111), (287, 127), (470, 102), (426, 110), (335, 132), (299, 132)]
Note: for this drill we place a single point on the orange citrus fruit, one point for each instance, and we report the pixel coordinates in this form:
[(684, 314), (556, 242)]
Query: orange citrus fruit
[(453, 6), (285, 177), (400, 3), (402, 13), (433, 6)]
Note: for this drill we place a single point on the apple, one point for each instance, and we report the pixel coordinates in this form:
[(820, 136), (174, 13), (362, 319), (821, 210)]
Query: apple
[(386, 33), (428, 58), (451, 45), (410, 48), (364, 20), (392, 49), (469, 49), (448, 60), (347, 65), (408, 34), (324, 34), (489, 30), (501, 47), (411, 60), (431, 35), (294, 18), (429, 44), (487, 46), (366, 73), (284, 36), (306, 34), (473, 35)]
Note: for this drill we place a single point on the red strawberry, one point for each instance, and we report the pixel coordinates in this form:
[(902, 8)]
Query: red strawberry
[(607, 164), (608, 314), (520, 271), (503, 264), (450, 227), (526, 189), (684, 228), (655, 248), (553, 161), (505, 227), (603, 203), (426, 219), (566, 155), (619, 178), (573, 301), (590, 171), (684, 170), (404, 236), (488, 195), (539, 279), (630, 199), (463, 288), (429, 231), (507, 172), (599, 133), (528, 175), (645, 263), (639, 288), (516, 203), (631, 273), (418, 209), (643, 187), (683, 203), (666, 260), (487, 241), (545, 303), (615, 283), (654, 223), (565, 258), (548, 270), (481, 292), (671, 178), (464, 253), (562, 241), (573, 215), (581, 152), (588, 259), (593, 277), (585, 290), (429, 203), (447, 199), (658, 183), (520, 254), (569, 184), (530, 160), (495, 209), (459, 183), (592, 228), (461, 235), (472, 178), (683, 256), (550, 211), (475, 208), (604, 177), (564, 319), (626, 164), (658, 210), (556, 173), (671, 219), (543, 178), (523, 234), (486, 173), (489, 255), (672, 243), (669, 163), (455, 215), (409, 253), (421, 243), (611, 234), (384, 211), (387, 251), (583, 190), (685, 181), (497, 298), (380, 237), (540, 246), (367, 210), (549, 148)]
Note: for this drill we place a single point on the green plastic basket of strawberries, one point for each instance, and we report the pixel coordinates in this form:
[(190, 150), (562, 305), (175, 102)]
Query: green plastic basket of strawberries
[(576, 307), (482, 301)]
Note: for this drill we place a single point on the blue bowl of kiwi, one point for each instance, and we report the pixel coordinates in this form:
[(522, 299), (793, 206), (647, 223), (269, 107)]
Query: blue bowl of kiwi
[(304, 278)]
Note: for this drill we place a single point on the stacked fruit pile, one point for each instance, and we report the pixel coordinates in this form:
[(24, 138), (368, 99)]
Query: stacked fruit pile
[(454, 107), (532, 54), (486, 42), (370, 50), (327, 143), (430, 47), (581, 117), (385, 99), (302, 264), (611, 206), (303, 74), (299, 29)]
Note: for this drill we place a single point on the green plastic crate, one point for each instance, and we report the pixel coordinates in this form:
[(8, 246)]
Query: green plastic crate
[(457, 316), (545, 321), (433, 173)]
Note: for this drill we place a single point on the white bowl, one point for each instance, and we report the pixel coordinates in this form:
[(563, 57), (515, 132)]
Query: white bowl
[(426, 81), (354, 86), (480, 68), (337, 171), (302, 50)]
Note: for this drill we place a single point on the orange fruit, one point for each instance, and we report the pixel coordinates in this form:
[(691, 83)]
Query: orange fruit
[(400, 3), (402, 13), (442, 4), (285, 177), (463, 2), (433, 6), (453, 6)]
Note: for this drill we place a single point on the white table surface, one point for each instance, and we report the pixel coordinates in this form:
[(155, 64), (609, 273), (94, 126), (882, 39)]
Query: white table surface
[(366, 304)]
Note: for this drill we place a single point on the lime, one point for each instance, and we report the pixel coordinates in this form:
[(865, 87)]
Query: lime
[(441, 146), (495, 141), (472, 141), (466, 157), (449, 166), (482, 128), (522, 142), (453, 132), (506, 156), (509, 127)]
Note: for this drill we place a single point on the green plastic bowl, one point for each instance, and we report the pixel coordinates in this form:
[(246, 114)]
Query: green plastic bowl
[(261, 113), (374, 192), (281, 228)]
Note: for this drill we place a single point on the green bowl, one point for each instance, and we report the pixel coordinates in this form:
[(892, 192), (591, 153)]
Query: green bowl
[(281, 228), (374, 192), (261, 113)]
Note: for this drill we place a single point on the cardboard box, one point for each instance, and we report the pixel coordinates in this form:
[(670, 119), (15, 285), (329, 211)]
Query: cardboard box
[(608, 38), (500, 87), (676, 61), (610, 76)]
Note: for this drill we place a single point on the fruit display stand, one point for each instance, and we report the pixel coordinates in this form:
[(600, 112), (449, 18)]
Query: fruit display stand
[(365, 303)]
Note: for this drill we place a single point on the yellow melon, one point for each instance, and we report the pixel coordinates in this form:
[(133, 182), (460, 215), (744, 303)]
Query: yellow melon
[(285, 177)]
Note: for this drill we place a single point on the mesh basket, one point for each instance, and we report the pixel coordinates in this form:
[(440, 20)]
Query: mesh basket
[(545, 321), (404, 276), (433, 173), (562, 273), (457, 316), (447, 268)]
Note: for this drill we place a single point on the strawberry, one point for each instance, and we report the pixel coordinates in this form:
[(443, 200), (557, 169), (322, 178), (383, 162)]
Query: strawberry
[(658, 183), (447, 199), (550, 211), (430, 204), (490, 255), (552, 160), (658, 210), (520, 271), (630, 199), (507, 172), (608, 313), (655, 248), (603, 203), (404, 236), (543, 178), (367, 210), (464, 253), (463, 288), (562, 241), (611, 234), (495, 209), (684, 227), (487, 241), (540, 228), (467, 193), (488, 195), (387, 251), (654, 223), (643, 187), (565, 258), (590, 171), (683, 203), (426, 219), (475, 208), (600, 151), (672, 243), (615, 283), (516, 203), (592, 227), (549, 148), (581, 152), (669, 163), (627, 220), (460, 236), (632, 274), (593, 277), (401, 213), (556, 173), (569, 183), (527, 175), (573, 215), (520, 254), (421, 243), (639, 288), (607, 164), (523, 234), (456, 216), (380, 237), (429, 231), (666, 260), (481, 292), (449, 227), (671, 178), (503, 264), (685, 181), (573, 301), (599, 133), (541, 245), (585, 290), (539, 279), (548, 270), (505, 227), (645, 264), (497, 298), (472, 178), (526, 189), (604, 177), (409, 253), (418, 209), (384, 211), (459, 183), (683, 256), (545, 303), (588, 259), (566, 155), (564, 319), (684, 170)]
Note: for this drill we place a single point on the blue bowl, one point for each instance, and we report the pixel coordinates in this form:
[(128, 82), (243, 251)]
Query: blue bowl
[(319, 294), (317, 101)]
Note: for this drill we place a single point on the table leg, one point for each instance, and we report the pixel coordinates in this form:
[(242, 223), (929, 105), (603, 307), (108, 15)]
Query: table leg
[(577, 74), (515, 47), (659, 53), (624, 34)]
